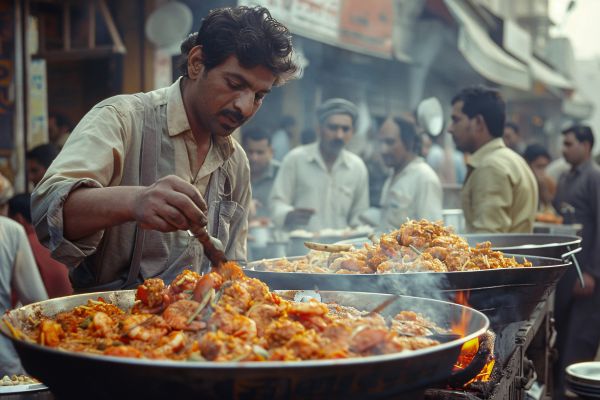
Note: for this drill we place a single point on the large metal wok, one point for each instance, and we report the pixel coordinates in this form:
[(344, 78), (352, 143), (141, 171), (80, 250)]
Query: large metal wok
[(504, 295), (556, 246), (77, 375)]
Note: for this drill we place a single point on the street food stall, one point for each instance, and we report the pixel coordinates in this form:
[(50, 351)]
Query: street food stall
[(227, 334)]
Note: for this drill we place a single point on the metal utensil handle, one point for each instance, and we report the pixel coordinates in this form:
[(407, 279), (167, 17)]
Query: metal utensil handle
[(215, 256), (571, 253)]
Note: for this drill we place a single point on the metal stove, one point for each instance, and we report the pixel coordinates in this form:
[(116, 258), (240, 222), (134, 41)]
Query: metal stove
[(523, 369)]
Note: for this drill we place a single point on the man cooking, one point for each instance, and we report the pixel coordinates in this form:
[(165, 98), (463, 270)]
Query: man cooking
[(500, 191), (140, 170), (322, 185)]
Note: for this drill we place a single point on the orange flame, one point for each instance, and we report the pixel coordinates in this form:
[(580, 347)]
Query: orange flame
[(461, 327), (469, 349)]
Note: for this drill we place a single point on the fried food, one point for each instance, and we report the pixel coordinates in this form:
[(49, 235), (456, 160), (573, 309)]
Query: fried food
[(227, 316), (417, 246)]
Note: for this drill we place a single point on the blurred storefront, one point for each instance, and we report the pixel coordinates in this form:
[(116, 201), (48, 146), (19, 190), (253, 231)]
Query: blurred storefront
[(62, 57)]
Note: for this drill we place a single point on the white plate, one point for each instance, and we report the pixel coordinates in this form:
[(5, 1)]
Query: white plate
[(22, 388), (585, 372)]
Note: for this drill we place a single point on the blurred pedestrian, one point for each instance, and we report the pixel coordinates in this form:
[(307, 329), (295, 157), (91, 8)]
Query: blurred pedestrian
[(413, 190), (322, 185), (512, 137), (38, 161), (263, 169), (577, 310), (59, 129), (500, 191), (538, 158), (54, 274), (18, 272), (282, 137)]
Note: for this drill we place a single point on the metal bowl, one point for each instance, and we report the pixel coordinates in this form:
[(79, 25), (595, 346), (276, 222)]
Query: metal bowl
[(77, 375)]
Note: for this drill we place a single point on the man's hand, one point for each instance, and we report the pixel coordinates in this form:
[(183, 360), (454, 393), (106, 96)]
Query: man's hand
[(298, 217), (169, 205), (588, 290)]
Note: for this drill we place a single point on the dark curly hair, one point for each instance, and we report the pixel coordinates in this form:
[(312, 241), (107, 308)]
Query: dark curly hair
[(249, 33), (484, 101)]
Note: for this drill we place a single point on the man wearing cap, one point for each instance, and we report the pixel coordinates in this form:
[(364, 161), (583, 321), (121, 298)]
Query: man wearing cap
[(322, 185)]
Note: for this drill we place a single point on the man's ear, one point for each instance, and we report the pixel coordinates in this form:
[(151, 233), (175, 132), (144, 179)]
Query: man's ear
[(195, 63)]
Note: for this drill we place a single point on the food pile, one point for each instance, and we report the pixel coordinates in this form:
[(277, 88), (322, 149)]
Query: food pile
[(15, 380), (226, 316), (417, 246)]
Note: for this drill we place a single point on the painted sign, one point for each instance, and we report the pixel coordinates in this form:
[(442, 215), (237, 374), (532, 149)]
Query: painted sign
[(358, 25)]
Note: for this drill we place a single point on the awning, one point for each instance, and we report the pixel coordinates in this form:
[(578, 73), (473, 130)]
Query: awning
[(484, 55), (548, 76), (578, 106)]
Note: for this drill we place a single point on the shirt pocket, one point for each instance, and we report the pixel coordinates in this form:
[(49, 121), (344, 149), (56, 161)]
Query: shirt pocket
[(229, 222)]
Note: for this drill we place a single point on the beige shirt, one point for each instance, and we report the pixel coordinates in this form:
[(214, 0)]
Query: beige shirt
[(338, 196), (413, 193), (500, 193), (104, 150)]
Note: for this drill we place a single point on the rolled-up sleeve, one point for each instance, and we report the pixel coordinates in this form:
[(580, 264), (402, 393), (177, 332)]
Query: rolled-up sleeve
[(92, 157), (490, 200), (282, 191)]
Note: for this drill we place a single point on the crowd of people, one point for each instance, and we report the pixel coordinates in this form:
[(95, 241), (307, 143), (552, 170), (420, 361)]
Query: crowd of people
[(169, 158), (322, 184)]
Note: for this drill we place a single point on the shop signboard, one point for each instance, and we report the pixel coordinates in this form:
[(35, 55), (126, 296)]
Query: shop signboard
[(7, 40), (38, 104), (358, 25), (368, 25)]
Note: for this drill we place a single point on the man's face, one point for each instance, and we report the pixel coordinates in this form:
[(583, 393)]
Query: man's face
[(228, 95), (393, 151), (35, 171), (539, 165), (463, 129), (510, 137), (335, 132), (259, 154), (574, 151)]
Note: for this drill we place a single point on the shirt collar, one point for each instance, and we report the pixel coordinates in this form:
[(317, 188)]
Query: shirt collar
[(270, 172), (178, 123), (314, 154), (485, 150), (583, 166)]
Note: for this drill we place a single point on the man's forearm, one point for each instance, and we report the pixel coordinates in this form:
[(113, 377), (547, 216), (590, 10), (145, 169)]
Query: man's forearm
[(89, 210)]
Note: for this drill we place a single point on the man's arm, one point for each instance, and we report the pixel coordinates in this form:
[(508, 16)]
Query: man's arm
[(168, 205), (491, 200), (79, 196)]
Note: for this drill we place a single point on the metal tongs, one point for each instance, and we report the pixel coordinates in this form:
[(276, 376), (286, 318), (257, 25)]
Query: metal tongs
[(212, 247)]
